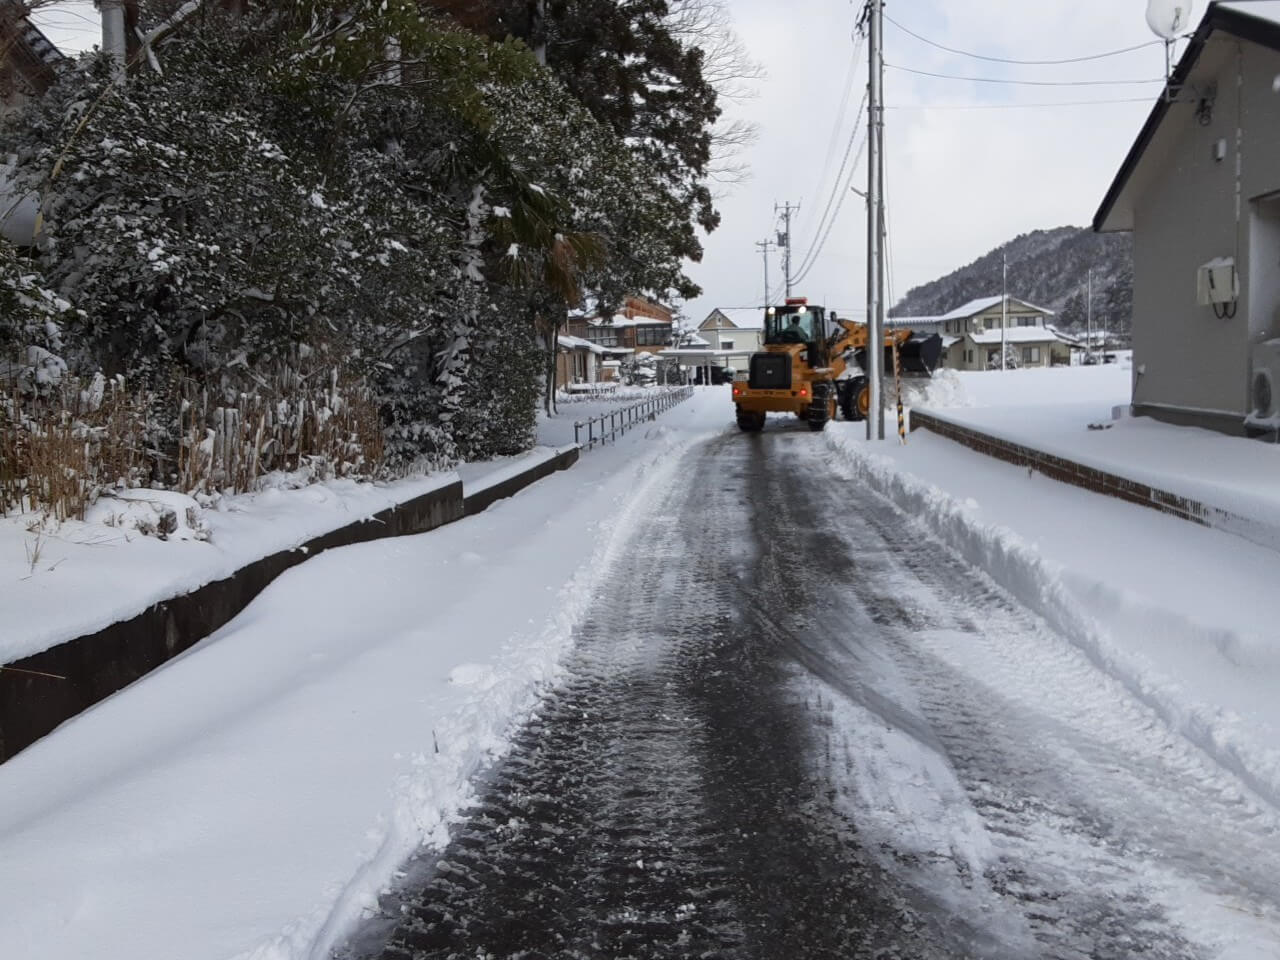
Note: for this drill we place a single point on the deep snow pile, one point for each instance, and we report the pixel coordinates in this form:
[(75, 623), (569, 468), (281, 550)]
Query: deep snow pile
[(253, 796)]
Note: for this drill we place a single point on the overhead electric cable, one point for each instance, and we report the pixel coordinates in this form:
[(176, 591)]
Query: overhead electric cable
[(1023, 83), (838, 188), (1012, 106), (1028, 63), (854, 61), (836, 213)]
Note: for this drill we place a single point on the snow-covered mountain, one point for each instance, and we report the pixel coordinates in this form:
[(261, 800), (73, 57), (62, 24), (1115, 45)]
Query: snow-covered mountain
[(1046, 267)]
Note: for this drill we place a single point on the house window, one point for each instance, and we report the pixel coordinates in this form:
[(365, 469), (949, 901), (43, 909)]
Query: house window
[(604, 336), (968, 356), (652, 336), (726, 344), (1030, 354)]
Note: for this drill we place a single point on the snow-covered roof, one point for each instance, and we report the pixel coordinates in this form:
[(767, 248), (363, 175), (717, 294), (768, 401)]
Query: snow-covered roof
[(947, 342), (983, 304), (577, 343), (622, 320), (744, 318), (1014, 335), (693, 340), (911, 322)]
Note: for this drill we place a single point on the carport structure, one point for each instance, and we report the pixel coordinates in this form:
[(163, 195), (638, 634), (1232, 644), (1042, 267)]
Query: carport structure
[(703, 358)]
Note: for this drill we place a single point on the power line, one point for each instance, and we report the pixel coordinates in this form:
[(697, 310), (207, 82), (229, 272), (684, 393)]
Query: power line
[(1012, 106), (1028, 63), (854, 61), (838, 188), (1023, 83), (812, 262)]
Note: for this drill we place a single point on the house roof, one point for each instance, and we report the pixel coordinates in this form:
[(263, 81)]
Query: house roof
[(622, 320), (1254, 20), (577, 343), (744, 318), (1014, 335)]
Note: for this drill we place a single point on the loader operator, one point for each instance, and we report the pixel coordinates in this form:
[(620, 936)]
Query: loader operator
[(795, 333)]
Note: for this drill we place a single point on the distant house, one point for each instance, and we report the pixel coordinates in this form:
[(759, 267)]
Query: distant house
[(972, 338), (1200, 190), (641, 326), (729, 328), (28, 59), (581, 363)]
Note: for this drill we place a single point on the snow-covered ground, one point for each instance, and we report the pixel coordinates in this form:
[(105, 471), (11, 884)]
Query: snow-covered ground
[(1178, 613), (1053, 410), (250, 798), (114, 572)]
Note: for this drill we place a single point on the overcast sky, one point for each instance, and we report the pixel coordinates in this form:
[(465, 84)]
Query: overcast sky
[(960, 181)]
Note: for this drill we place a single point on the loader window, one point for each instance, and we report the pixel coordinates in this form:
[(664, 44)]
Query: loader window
[(790, 325)]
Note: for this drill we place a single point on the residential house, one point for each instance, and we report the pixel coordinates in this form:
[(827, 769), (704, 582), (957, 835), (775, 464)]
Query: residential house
[(972, 337), (580, 362), (28, 62), (734, 329), (1200, 191), (28, 59), (641, 326)]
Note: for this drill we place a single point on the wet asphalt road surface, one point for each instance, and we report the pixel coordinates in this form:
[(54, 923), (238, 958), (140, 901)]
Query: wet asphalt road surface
[(779, 738)]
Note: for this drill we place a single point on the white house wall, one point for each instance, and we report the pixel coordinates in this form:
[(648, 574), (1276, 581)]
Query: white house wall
[(1184, 356)]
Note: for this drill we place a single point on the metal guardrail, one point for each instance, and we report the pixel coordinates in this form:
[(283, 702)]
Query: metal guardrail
[(620, 421)]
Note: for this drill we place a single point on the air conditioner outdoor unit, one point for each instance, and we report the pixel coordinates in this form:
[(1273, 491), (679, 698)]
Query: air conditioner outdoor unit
[(1264, 385), (1217, 282)]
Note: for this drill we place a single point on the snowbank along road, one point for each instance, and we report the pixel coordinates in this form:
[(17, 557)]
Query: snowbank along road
[(795, 726)]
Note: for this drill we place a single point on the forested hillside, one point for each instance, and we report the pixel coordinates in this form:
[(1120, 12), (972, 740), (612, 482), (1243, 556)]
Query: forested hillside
[(1046, 267)]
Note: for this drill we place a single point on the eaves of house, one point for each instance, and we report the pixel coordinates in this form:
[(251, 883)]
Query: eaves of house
[(1257, 21)]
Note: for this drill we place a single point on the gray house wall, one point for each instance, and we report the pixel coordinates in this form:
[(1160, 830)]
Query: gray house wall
[(1189, 365)]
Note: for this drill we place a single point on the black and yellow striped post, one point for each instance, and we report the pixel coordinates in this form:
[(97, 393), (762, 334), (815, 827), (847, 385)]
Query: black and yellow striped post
[(897, 386)]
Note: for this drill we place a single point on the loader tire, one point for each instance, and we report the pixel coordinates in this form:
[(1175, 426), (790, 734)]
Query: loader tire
[(749, 422), (855, 398)]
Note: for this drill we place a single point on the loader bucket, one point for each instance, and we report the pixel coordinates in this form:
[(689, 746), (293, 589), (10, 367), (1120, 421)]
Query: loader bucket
[(919, 356)]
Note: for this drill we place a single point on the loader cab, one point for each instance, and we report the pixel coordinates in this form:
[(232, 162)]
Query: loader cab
[(795, 322)]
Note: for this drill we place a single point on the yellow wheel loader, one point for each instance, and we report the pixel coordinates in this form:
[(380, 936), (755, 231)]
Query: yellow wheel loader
[(801, 370)]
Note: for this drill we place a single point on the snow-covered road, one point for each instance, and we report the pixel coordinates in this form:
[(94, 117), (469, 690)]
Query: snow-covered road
[(778, 719), (794, 725)]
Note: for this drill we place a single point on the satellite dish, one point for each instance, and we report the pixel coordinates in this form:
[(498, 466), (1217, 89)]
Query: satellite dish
[(1168, 18)]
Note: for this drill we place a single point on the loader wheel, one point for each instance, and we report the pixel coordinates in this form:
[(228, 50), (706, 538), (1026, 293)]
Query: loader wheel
[(855, 399), (750, 422)]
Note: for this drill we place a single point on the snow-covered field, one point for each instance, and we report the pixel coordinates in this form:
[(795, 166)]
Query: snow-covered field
[(251, 797), (1053, 410)]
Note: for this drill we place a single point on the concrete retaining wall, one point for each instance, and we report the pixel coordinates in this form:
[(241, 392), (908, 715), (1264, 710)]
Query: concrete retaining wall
[(39, 692), (1100, 481)]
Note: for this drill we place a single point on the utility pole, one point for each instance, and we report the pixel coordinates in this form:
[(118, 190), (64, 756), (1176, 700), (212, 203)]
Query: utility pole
[(765, 246), (784, 238), (540, 31), (1004, 312), (1088, 323), (875, 220), (114, 43)]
